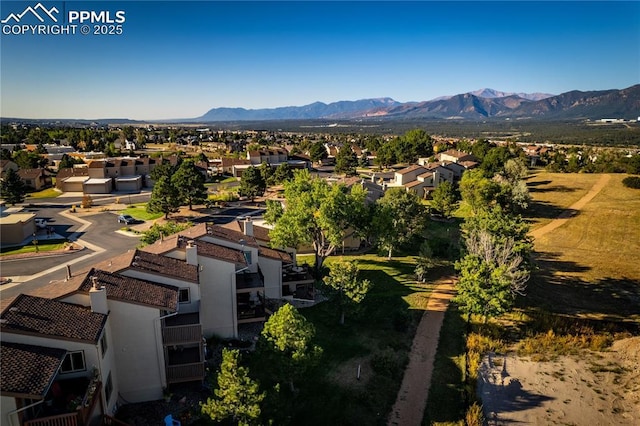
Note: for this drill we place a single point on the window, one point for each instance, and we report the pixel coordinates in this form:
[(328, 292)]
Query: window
[(108, 388), (103, 344), (247, 256), (183, 295), (74, 361)]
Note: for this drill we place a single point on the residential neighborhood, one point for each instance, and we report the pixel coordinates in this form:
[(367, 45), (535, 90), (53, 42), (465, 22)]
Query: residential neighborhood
[(138, 325)]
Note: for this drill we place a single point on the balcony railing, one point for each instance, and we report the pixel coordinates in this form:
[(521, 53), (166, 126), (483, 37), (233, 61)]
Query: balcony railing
[(185, 372), (68, 419), (181, 334)]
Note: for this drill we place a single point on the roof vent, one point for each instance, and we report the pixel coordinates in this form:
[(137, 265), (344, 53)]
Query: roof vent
[(13, 309), (94, 280)]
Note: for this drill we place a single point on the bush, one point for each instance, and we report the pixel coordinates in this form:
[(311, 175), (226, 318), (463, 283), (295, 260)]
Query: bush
[(153, 234), (386, 363), (632, 182)]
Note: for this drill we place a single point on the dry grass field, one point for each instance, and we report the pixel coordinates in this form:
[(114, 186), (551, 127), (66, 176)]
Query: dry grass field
[(588, 265)]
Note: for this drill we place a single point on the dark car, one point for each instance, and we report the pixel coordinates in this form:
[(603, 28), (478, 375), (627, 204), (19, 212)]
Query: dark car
[(126, 219)]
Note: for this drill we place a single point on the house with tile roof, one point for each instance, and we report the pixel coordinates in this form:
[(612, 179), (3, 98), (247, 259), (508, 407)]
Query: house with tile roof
[(142, 358), (58, 362)]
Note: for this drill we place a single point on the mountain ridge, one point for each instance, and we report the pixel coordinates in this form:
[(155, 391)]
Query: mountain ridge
[(477, 105)]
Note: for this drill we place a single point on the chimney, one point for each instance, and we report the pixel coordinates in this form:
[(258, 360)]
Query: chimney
[(248, 227), (192, 253), (98, 296)]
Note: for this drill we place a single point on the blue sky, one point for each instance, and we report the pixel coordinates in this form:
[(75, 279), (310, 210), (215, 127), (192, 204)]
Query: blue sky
[(177, 59)]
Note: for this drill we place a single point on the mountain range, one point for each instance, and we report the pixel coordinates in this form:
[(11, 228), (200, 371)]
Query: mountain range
[(481, 104)]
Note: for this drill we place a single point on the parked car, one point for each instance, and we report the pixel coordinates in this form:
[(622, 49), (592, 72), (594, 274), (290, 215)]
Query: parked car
[(41, 223), (126, 219)]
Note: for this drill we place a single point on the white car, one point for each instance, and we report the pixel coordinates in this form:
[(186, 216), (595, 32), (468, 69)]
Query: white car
[(41, 223)]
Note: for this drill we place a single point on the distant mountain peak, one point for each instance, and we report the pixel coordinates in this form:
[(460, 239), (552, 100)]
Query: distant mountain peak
[(493, 94)]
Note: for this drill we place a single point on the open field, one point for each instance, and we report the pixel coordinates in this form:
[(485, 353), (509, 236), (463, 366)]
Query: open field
[(589, 265), (586, 274), (377, 336)]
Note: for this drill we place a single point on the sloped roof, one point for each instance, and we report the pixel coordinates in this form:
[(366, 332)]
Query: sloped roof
[(280, 255), (39, 316), (410, 169), (162, 265), (28, 370), (217, 231), (206, 248), (133, 290)]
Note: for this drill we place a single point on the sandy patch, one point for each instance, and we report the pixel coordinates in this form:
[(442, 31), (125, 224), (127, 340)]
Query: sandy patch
[(597, 388)]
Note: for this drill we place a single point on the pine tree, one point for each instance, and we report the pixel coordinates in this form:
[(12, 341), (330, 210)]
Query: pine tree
[(237, 396), (12, 188)]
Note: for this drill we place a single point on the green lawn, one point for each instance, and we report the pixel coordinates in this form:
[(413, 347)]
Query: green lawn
[(45, 193), (43, 246), (377, 337), (139, 211)]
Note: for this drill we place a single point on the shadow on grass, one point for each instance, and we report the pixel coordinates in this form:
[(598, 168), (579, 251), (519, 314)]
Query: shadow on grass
[(533, 187), (447, 393), (546, 210), (552, 288), (378, 333)]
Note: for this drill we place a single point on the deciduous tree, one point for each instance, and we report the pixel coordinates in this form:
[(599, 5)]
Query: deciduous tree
[(399, 216), (343, 278), (444, 199), (288, 336), (495, 268), (317, 213)]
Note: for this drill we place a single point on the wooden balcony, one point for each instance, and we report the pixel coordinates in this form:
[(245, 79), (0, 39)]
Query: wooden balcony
[(78, 415), (68, 419), (185, 372), (181, 334), (297, 275)]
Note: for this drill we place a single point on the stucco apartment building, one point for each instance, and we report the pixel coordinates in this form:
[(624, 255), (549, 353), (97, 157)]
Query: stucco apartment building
[(106, 175), (135, 324)]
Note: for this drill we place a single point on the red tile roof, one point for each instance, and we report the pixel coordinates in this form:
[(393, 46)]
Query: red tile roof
[(133, 290), (46, 317), (280, 255), (410, 169), (28, 370), (216, 251), (162, 265), (217, 231)]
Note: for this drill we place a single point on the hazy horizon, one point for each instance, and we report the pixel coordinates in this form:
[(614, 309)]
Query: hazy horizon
[(178, 60)]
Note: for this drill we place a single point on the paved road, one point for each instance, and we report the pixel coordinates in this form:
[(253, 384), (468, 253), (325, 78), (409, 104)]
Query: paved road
[(95, 232)]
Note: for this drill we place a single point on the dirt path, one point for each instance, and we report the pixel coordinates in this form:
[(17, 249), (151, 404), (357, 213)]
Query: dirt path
[(412, 397), (577, 206)]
